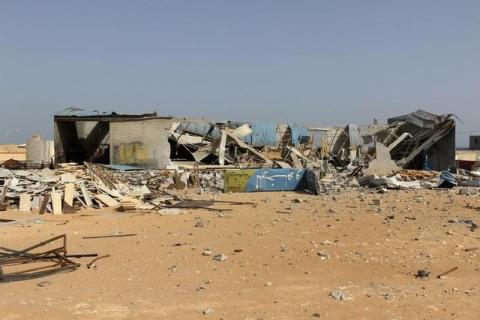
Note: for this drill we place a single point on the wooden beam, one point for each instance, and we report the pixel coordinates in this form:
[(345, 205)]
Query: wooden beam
[(221, 153)]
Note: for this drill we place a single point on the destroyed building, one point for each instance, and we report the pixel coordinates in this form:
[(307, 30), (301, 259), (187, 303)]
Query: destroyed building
[(135, 140), (429, 141), (151, 141), (419, 140), (131, 160)]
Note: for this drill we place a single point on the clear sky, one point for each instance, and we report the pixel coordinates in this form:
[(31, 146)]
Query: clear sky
[(319, 62)]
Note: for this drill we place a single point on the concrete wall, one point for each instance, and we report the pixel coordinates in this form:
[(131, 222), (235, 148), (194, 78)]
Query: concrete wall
[(141, 142)]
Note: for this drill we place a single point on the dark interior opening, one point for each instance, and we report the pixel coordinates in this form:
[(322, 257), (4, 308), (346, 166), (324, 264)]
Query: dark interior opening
[(93, 147)]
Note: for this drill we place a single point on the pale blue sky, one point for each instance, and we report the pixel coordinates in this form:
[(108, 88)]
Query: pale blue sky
[(318, 62)]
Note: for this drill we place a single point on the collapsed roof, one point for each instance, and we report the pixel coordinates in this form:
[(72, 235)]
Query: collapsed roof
[(419, 140)]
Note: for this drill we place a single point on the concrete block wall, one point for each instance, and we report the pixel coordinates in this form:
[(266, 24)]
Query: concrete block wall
[(141, 142)]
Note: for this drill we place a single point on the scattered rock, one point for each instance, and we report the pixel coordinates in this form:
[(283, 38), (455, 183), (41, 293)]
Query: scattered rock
[(208, 311), (323, 255), (339, 294), (220, 257), (44, 284), (388, 296), (422, 273), (207, 253)]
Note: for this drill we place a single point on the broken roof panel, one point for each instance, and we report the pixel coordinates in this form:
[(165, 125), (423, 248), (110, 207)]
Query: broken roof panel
[(420, 118), (264, 134), (81, 114)]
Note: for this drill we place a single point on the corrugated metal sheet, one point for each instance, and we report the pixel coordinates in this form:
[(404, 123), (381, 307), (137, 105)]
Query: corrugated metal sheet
[(420, 118), (201, 129), (263, 134), (298, 132)]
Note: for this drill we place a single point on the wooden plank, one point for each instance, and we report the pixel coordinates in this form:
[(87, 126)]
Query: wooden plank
[(300, 155), (36, 203), (43, 205), (221, 154), (57, 202), (86, 196), (107, 200), (25, 202), (112, 193), (4, 191), (204, 152), (122, 235), (402, 137), (282, 164), (69, 191), (296, 162), (81, 201), (252, 150)]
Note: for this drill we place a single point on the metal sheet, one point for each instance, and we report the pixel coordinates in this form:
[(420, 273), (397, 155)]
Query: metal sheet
[(263, 134), (251, 180), (298, 132)]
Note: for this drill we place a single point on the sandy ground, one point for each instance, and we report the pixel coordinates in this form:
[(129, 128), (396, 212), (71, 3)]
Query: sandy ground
[(276, 266)]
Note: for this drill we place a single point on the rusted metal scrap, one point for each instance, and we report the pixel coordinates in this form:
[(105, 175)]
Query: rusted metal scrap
[(447, 272), (92, 263), (30, 263)]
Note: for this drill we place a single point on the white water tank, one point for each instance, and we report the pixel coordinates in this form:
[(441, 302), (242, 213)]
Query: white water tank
[(39, 150)]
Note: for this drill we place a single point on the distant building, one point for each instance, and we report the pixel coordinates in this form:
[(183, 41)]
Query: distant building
[(474, 142), (39, 151), (12, 151)]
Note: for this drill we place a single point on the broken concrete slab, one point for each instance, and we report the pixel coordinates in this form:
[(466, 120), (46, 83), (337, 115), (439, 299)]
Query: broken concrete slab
[(382, 165)]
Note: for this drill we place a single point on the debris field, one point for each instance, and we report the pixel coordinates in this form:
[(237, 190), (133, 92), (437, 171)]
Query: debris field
[(213, 221), (350, 255)]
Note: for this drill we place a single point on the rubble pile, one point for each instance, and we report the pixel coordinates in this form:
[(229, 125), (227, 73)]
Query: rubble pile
[(412, 151), (406, 152), (417, 140), (71, 187)]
